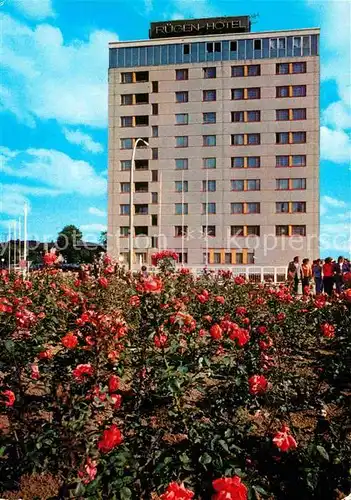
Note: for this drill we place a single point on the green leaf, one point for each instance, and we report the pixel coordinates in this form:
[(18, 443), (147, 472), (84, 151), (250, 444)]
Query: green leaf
[(125, 493), (2, 451), (9, 345), (323, 452), (259, 489), (205, 459), (224, 445)]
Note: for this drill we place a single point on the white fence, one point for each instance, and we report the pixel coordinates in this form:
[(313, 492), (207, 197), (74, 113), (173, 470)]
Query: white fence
[(256, 274)]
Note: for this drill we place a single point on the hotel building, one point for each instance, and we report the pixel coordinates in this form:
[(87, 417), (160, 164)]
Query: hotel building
[(229, 170)]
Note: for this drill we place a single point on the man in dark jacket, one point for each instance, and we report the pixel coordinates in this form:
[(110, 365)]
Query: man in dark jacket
[(340, 268), (294, 271)]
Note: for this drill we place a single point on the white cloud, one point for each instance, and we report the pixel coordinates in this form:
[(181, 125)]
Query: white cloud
[(12, 202), (97, 212), (335, 145), (333, 202), (34, 9), (55, 169), (336, 236), (93, 228), (337, 115), (183, 9), (51, 78), (82, 139)]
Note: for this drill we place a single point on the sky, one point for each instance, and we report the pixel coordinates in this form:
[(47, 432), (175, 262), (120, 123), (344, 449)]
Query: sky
[(53, 103)]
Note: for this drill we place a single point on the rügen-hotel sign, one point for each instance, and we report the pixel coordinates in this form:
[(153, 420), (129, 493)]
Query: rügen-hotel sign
[(193, 27)]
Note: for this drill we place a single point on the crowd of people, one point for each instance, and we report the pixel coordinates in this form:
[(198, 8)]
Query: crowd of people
[(324, 274)]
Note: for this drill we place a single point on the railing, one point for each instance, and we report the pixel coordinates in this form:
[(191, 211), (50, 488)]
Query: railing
[(256, 274)]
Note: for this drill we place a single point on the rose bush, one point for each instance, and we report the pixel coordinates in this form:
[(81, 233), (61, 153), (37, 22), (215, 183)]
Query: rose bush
[(172, 386)]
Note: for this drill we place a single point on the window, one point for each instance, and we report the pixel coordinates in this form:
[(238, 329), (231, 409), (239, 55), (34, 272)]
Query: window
[(182, 74), (282, 230), (154, 242), (182, 118), (227, 258), (282, 91), (282, 184), (124, 209), (233, 46), (282, 114), (257, 44), (237, 94), (282, 207), (154, 198), (141, 164), (282, 69), (181, 141), (126, 77), (253, 139), (298, 138), (299, 91), (181, 163), (180, 231), (183, 257), (254, 93), (154, 153), (297, 42), (253, 70), (253, 185), (126, 99), (155, 87), (181, 208), (181, 186), (298, 161), (298, 207), (141, 230), (209, 231), (239, 257), (125, 164), (216, 258), (253, 230), (181, 96), (281, 43), (298, 183), (126, 121), (154, 175), (217, 47), (282, 161), (154, 109), (186, 49), (141, 144), (209, 117), (125, 187), (238, 116), (299, 114), (209, 95), (238, 71), (209, 162), (124, 231), (237, 208), (236, 230), (141, 121), (250, 258), (154, 219), (253, 162), (282, 138), (209, 140), (126, 143), (238, 185), (209, 186), (142, 76), (238, 139), (141, 98), (298, 230), (209, 72), (253, 208), (299, 67), (141, 209), (211, 208), (238, 162), (253, 116), (155, 131), (141, 187)]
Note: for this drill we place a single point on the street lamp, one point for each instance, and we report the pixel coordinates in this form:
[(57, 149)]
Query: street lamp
[(131, 202)]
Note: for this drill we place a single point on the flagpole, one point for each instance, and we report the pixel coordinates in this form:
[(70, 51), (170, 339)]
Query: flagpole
[(9, 249), (159, 246), (25, 235), (19, 239), (206, 259), (182, 218), (14, 243)]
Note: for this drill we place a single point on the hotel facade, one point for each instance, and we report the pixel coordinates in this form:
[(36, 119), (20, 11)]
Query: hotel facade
[(227, 171)]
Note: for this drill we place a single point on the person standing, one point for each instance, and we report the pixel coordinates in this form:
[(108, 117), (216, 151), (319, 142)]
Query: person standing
[(340, 268), (306, 275), (328, 276), (294, 273), (317, 274)]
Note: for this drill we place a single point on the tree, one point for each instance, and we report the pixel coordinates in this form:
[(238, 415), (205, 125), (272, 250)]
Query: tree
[(103, 238), (67, 244)]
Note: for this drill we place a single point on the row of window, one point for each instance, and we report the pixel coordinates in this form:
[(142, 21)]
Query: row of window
[(211, 117), (237, 94), (210, 208), (211, 186), (281, 161)]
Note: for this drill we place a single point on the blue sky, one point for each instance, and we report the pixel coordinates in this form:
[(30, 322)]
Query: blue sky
[(53, 103)]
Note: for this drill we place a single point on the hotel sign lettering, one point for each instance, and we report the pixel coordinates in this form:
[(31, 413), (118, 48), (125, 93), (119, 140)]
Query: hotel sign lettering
[(193, 27)]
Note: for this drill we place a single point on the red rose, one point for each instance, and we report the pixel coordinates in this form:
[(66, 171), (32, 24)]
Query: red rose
[(347, 295), (229, 488), (257, 384), (176, 491), (70, 341), (216, 332), (160, 340), (283, 440), (152, 285), (347, 277), (107, 260), (81, 371), (281, 316), (134, 301), (262, 330), (328, 330), (116, 400), (111, 438), (241, 311), (113, 383), (202, 332), (35, 372), (48, 354), (10, 397), (103, 282), (220, 299), (265, 344)]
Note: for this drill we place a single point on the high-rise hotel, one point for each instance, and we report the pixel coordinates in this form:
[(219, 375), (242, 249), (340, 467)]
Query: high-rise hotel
[(227, 171)]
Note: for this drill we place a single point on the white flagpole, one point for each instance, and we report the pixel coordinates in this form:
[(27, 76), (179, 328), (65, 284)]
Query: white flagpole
[(14, 243), (182, 218), (25, 235), (19, 239), (206, 259), (9, 249), (159, 245)]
